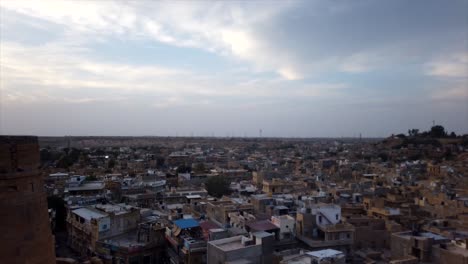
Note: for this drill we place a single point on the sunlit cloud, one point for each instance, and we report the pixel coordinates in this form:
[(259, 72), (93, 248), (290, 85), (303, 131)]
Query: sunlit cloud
[(454, 65)]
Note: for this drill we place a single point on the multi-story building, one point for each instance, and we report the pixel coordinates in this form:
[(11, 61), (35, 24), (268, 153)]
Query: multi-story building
[(320, 226), (89, 224), (286, 224), (415, 243), (218, 211), (277, 186), (369, 232), (324, 256), (144, 245), (255, 249), (186, 242)]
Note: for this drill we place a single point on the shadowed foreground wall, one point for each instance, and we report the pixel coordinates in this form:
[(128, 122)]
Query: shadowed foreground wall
[(24, 222)]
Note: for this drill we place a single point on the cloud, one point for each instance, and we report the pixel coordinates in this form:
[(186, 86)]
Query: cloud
[(57, 73), (296, 54), (287, 37), (457, 92), (452, 66)]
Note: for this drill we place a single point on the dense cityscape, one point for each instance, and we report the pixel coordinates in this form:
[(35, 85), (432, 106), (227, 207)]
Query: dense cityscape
[(132, 200)]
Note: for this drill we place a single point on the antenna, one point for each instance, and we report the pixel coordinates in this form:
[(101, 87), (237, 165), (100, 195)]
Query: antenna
[(260, 132), (433, 122)]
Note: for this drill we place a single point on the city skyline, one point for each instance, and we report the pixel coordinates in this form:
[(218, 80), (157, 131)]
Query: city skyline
[(290, 68)]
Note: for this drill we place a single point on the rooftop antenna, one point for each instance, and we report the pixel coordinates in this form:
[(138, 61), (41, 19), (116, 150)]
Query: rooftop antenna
[(260, 132)]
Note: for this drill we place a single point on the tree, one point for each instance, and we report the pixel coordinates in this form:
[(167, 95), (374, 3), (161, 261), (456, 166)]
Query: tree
[(413, 132), (438, 131), (218, 186)]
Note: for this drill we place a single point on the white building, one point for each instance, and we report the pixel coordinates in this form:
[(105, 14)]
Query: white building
[(286, 224)]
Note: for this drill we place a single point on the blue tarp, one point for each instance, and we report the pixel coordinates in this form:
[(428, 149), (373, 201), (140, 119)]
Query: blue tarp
[(186, 223)]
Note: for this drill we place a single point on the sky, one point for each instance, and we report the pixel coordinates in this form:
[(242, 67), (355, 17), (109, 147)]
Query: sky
[(233, 68)]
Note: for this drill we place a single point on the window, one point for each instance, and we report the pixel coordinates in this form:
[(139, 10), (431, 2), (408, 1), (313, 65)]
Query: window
[(320, 219), (336, 216)]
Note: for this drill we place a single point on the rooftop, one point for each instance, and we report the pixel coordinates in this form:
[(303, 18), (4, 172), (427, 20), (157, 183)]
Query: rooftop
[(230, 243), (186, 223), (325, 253), (262, 225), (89, 213)]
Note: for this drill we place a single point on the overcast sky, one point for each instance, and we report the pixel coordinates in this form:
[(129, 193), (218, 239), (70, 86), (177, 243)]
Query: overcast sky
[(294, 69)]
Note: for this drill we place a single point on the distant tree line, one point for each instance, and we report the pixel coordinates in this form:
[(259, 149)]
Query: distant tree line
[(436, 131)]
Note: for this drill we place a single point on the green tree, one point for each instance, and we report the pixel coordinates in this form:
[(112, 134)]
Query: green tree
[(413, 132), (217, 186), (438, 131)]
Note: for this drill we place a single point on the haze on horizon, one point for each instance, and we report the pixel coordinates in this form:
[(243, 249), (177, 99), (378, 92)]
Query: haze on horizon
[(290, 68)]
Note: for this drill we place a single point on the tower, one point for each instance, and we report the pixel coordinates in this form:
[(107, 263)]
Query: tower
[(24, 220)]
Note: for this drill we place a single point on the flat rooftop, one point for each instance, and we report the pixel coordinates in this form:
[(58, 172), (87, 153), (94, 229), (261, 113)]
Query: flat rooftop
[(325, 253), (228, 244), (88, 186), (125, 240), (89, 213)]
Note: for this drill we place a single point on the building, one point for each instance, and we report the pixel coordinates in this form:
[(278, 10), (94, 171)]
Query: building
[(277, 186), (415, 243), (89, 224), (218, 211), (145, 245), (369, 232), (186, 242), (24, 220), (254, 249), (286, 224), (324, 256), (455, 252), (319, 226)]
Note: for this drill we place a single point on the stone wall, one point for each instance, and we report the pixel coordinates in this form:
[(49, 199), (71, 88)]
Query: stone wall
[(24, 221)]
